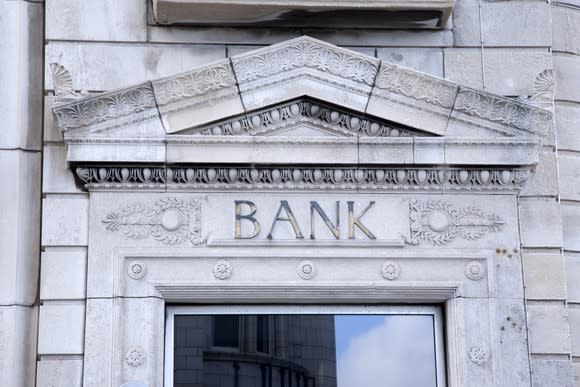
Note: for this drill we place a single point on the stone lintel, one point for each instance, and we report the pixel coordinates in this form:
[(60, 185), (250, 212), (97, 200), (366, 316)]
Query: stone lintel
[(306, 13)]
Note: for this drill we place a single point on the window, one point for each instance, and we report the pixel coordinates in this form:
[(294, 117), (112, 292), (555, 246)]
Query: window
[(304, 346)]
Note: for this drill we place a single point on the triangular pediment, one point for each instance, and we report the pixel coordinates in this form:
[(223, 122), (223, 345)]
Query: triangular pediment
[(302, 101)]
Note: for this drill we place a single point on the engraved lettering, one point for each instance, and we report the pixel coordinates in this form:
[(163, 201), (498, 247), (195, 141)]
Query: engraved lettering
[(289, 218), (314, 206), (249, 217), (352, 221)]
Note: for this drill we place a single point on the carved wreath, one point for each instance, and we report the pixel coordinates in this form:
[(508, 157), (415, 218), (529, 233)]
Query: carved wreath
[(439, 223), (170, 221)]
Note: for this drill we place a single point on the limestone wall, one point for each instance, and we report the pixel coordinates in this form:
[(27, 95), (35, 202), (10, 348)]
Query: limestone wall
[(497, 46)]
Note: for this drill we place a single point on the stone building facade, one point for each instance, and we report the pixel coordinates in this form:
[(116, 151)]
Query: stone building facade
[(146, 164)]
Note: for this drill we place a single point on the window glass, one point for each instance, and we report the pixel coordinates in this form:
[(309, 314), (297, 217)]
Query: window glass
[(306, 350)]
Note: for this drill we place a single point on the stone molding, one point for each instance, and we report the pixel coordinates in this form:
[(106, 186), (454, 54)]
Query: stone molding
[(299, 102), (397, 179), (289, 69)]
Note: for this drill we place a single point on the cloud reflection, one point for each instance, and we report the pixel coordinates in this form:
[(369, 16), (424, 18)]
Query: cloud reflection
[(397, 353)]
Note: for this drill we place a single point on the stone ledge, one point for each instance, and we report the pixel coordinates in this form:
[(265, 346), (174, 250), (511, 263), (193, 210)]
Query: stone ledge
[(306, 13)]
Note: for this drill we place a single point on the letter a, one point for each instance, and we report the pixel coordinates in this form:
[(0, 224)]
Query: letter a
[(289, 218)]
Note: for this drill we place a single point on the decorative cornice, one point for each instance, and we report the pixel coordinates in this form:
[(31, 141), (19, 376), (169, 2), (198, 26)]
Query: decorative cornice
[(309, 53), (215, 92), (127, 103), (194, 83), (331, 119), (416, 85), (300, 178), (503, 110)]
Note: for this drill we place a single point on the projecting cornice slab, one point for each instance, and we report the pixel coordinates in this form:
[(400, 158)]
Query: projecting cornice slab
[(306, 13), (302, 102)]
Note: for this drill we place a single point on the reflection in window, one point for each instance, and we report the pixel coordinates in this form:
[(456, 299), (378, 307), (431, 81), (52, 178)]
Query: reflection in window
[(305, 351), (226, 331)]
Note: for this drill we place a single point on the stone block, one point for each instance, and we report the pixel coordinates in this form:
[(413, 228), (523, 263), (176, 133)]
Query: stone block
[(51, 131), (540, 223), (567, 117), (21, 27), (544, 181), (218, 35), (571, 225), (19, 226), (566, 73), (516, 23), (104, 20), (63, 274), (57, 176), (464, 66), (106, 66), (65, 220), (61, 328), (99, 331), (383, 38), (513, 71), (59, 372), (18, 345), (552, 372), (548, 328), (574, 316), (212, 96), (572, 275), (569, 176), (544, 276), (466, 23), (565, 29), (428, 60)]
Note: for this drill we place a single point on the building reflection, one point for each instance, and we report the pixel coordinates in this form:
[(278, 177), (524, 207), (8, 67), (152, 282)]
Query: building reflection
[(255, 351)]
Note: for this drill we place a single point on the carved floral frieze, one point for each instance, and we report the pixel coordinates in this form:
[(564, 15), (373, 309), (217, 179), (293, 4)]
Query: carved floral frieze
[(312, 59), (310, 54), (170, 221), (194, 83), (503, 110), (438, 222), (416, 85), (307, 178), (98, 109)]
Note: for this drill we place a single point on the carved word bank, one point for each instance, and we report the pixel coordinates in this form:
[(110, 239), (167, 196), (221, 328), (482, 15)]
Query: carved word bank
[(434, 222)]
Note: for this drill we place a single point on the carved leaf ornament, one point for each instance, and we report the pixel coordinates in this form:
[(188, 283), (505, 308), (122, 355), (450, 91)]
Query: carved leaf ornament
[(170, 221), (306, 54), (437, 222)]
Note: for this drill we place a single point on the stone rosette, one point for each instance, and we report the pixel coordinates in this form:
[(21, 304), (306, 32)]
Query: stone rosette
[(390, 270), (478, 355), (135, 356), (307, 270), (474, 270), (222, 270), (136, 270)]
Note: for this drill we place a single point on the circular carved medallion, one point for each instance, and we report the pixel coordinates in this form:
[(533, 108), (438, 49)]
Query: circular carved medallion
[(136, 270), (474, 271), (306, 270), (478, 355), (390, 270), (222, 270), (135, 356)]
